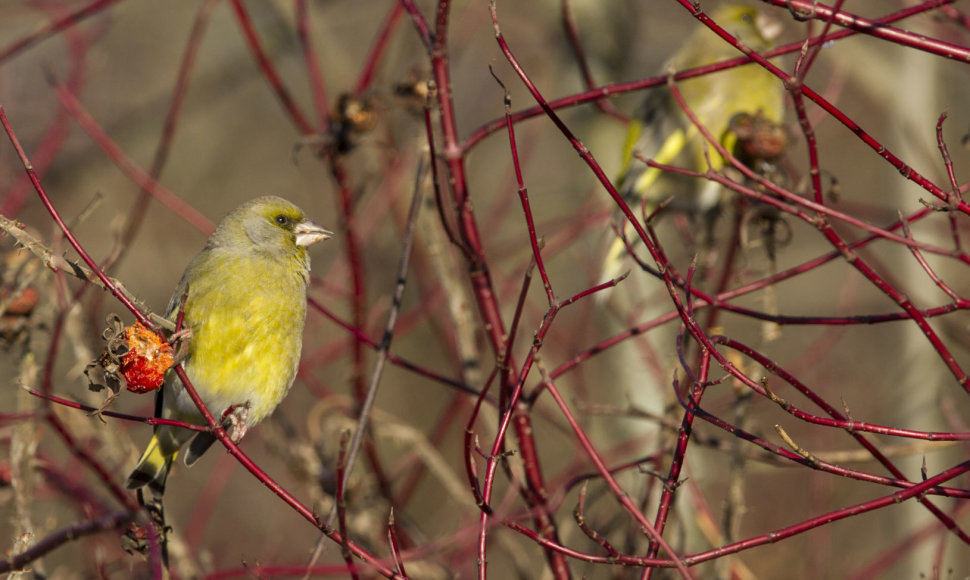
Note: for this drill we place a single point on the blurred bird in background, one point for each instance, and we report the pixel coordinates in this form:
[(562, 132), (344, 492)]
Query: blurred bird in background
[(661, 131), (244, 301)]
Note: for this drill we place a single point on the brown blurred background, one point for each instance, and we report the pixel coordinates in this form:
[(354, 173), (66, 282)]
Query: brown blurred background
[(234, 142)]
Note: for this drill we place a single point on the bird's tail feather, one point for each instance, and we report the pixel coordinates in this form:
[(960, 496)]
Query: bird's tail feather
[(155, 463), (152, 469)]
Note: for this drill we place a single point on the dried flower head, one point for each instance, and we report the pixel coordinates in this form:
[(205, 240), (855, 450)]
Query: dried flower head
[(758, 138)]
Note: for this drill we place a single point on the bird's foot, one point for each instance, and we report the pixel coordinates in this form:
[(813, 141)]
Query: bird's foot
[(180, 340), (236, 421)]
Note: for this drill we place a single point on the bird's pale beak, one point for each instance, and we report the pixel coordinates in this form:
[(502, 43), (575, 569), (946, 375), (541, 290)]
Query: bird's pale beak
[(309, 233), (770, 28)]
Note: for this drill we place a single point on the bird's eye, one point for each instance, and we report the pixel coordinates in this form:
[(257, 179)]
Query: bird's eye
[(747, 17), (282, 219)]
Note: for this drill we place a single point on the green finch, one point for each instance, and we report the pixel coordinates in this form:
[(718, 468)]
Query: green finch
[(244, 301), (661, 131)]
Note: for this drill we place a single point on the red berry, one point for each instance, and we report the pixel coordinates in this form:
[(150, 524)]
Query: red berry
[(148, 357)]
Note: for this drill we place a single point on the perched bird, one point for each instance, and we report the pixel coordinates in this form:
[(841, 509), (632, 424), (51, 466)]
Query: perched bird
[(244, 301), (661, 131)]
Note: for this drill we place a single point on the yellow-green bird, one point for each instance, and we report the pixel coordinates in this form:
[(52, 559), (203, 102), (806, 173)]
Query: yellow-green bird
[(245, 305), (661, 131)]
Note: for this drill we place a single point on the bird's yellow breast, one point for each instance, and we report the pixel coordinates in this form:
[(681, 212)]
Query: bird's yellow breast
[(246, 337)]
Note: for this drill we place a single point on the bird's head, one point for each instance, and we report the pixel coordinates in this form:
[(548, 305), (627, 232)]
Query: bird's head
[(269, 225), (755, 29)]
